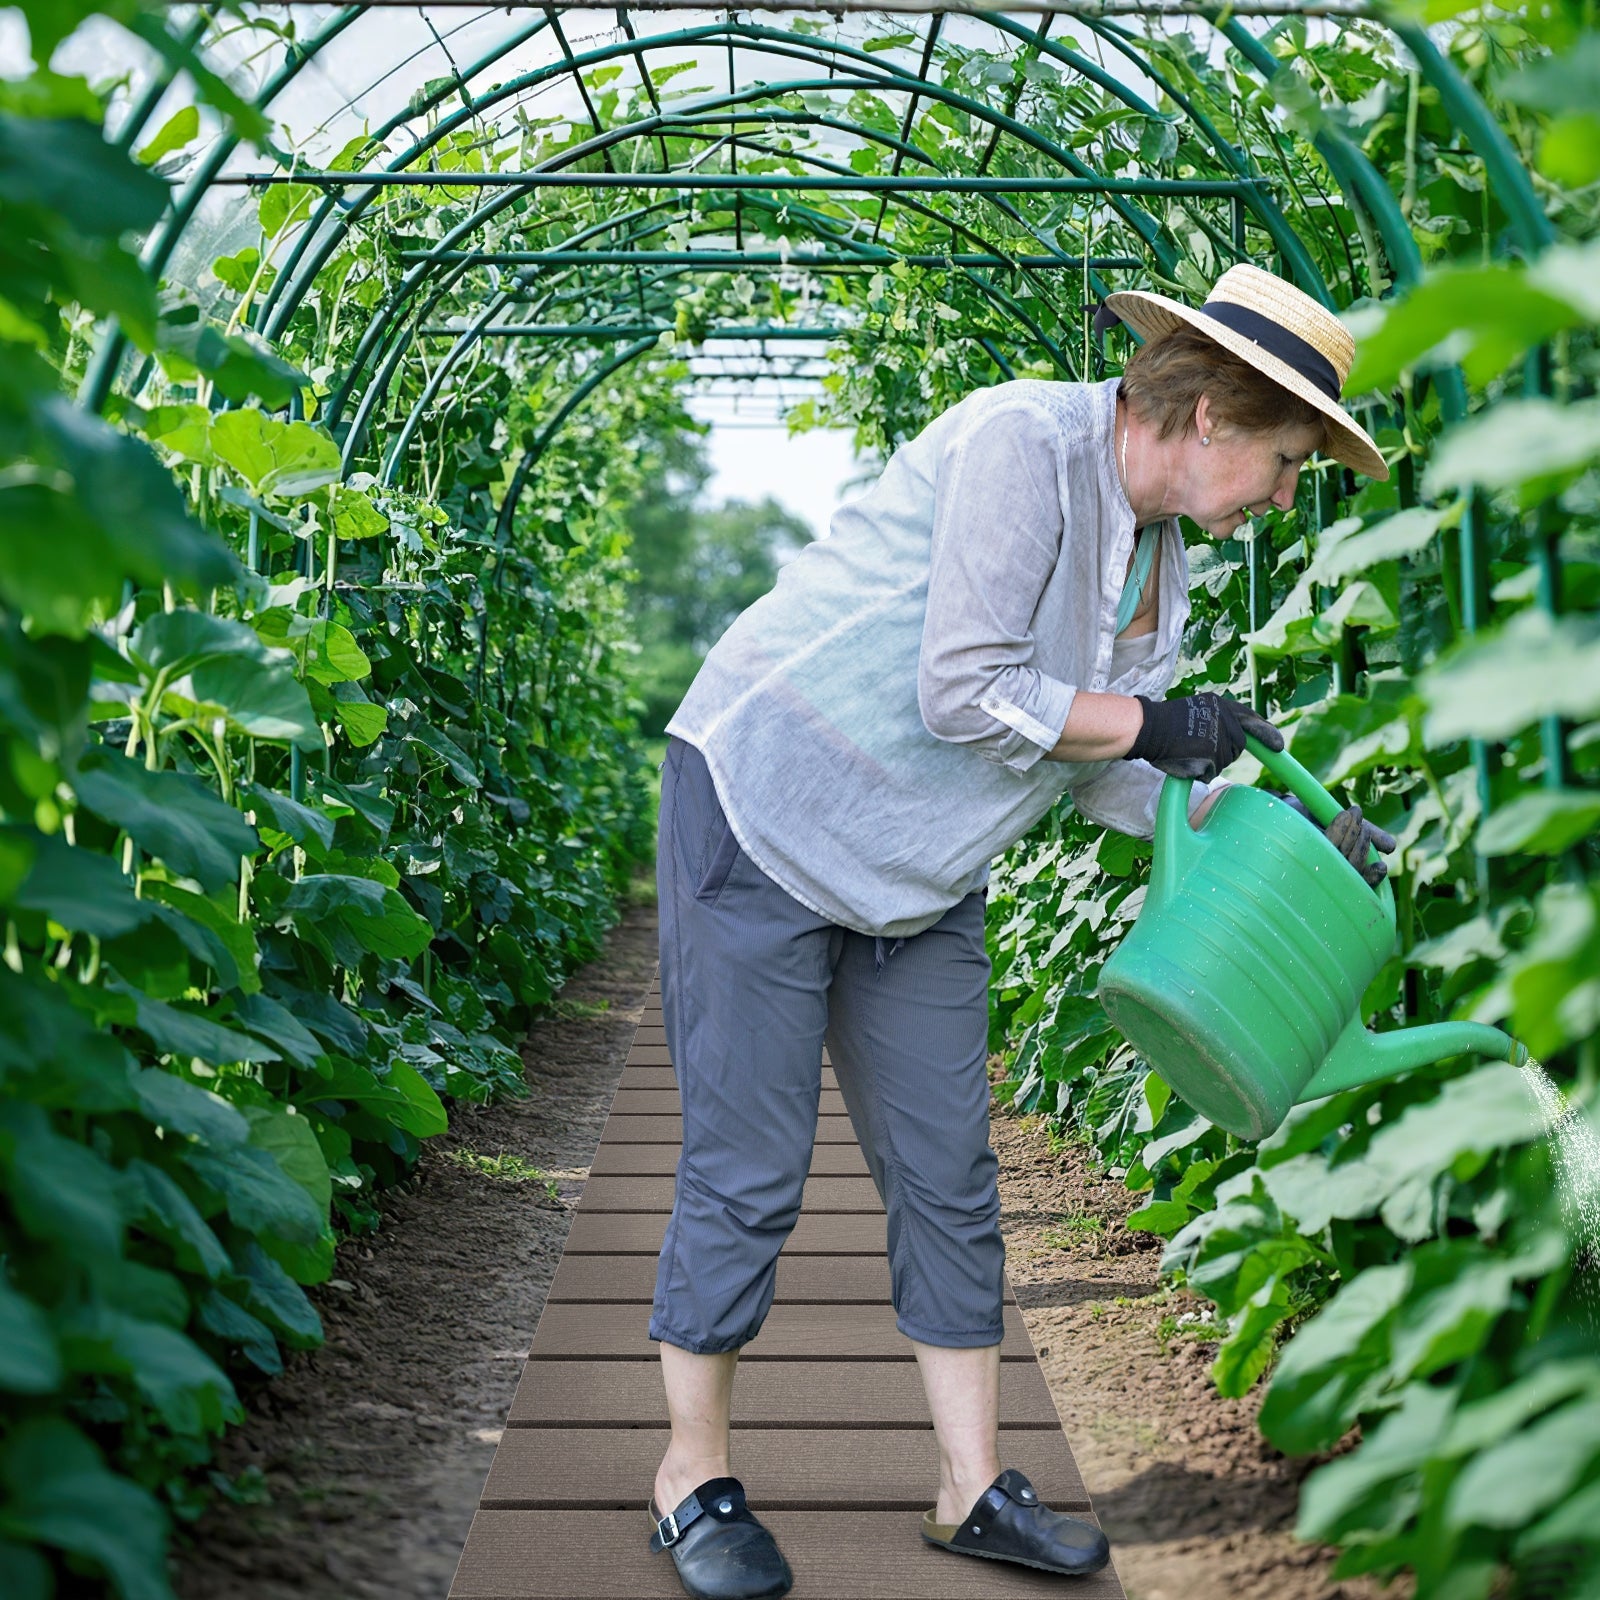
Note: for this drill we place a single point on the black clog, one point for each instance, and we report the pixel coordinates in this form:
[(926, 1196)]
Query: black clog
[(1009, 1524), (720, 1550)]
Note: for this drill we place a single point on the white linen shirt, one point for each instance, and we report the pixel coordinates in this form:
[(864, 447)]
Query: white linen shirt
[(876, 724)]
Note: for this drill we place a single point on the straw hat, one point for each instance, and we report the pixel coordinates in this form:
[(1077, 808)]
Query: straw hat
[(1282, 333)]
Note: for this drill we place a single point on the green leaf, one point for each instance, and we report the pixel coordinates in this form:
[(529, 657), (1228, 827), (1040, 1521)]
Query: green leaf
[(60, 1191), (1364, 1489), (302, 823), (377, 917), (239, 365), (1252, 1340), (1534, 445), (1403, 534), (1541, 822), (220, 927), (182, 1107), (154, 1202), (293, 1145), (187, 1034), (259, 697), (287, 460), (264, 1017), (1524, 1476), (402, 1095), (259, 1196), (277, 1299), (173, 816), (1335, 1364), (362, 722), (63, 165), (60, 1494), (354, 515), (181, 1384), (176, 642), (453, 756), (80, 889), (30, 1363), (181, 128), (229, 1321), (285, 204), (1493, 684)]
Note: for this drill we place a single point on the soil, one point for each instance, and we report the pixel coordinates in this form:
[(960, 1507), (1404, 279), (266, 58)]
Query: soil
[(367, 1457), (361, 1466)]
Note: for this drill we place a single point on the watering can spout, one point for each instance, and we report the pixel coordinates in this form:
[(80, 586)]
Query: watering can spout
[(1361, 1057)]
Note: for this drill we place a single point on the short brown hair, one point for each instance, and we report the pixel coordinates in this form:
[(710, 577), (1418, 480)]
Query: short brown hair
[(1165, 377)]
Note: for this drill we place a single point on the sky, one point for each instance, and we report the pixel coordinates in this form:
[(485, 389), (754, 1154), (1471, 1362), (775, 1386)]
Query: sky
[(753, 456)]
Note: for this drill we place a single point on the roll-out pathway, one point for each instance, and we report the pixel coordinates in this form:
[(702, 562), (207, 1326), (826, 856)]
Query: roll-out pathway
[(831, 1429)]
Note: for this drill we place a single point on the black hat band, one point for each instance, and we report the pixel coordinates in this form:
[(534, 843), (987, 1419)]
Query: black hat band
[(1277, 340)]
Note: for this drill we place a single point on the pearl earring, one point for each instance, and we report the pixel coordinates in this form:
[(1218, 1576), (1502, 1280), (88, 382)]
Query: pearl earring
[(1206, 440)]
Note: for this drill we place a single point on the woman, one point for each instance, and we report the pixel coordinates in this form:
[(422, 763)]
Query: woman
[(981, 634)]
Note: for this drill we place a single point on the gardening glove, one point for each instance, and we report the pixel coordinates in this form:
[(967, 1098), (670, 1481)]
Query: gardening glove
[(1355, 838), (1197, 735)]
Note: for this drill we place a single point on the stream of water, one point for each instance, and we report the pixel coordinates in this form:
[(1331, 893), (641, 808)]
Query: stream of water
[(1575, 1158)]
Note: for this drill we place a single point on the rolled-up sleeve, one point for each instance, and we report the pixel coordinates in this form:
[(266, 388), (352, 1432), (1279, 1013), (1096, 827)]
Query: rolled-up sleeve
[(997, 532)]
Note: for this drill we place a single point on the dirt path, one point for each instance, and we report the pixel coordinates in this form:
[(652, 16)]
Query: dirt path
[(368, 1456), (370, 1453)]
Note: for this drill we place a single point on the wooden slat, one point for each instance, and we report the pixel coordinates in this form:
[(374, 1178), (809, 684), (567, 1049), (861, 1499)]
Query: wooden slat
[(638, 1074), (596, 1468), (655, 1102), (790, 1333), (844, 1555), (624, 1129), (650, 1033), (632, 1233), (823, 1280), (652, 1160), (655, 1194), (768, 1394)]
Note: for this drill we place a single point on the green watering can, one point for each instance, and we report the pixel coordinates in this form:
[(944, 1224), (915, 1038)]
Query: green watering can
[(1242, 979)]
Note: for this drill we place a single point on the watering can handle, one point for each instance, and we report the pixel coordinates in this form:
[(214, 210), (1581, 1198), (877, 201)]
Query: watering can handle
[(1323, 807)]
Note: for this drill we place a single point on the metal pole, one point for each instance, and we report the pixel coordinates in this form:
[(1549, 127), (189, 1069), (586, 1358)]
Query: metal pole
[(866, 183)]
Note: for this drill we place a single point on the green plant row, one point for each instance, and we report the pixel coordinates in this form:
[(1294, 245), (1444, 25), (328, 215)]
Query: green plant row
[(1409, 1261), (313, 785)]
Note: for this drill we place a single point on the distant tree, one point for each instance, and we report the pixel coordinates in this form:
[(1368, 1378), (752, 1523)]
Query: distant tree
[(697, 570)]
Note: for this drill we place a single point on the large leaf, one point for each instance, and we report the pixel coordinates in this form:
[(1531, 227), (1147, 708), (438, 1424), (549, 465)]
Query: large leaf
[(59, 1493), (173, 816), (1535, 666), (65, 166), (181, 1384), (189, 1035), (262, 698), (277, 1299), (306, 825), (259, 1196), (175, 1104), (176, 642), (377, 917), (117, 481), (1513, 1482), (1334, 1366), (60, 1191), (83, 891), (1541, 822), (1534, 445), (284, 460), (155, 1202), (30, 1363)]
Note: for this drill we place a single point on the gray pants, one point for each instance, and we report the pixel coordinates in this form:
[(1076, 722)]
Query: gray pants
[(752, 985)]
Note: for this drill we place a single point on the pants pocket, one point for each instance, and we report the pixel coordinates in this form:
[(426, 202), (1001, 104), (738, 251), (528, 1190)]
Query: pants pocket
[(719, 865)]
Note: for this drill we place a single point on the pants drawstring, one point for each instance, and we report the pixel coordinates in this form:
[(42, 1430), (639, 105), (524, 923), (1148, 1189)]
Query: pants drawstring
[(880, 955)]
